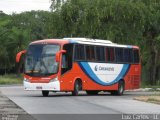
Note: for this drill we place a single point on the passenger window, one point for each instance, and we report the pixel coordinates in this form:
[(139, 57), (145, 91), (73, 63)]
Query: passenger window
[(79, 52), (110, 54), (100, 56), (119, 54), (136, 56), (128, 55), (90, 53)]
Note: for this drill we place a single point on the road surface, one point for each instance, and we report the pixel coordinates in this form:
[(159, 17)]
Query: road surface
[(63, 103)]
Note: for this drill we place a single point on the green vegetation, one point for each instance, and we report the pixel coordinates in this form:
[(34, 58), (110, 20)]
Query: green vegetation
[(144, 84), (11, 79), (122, 21)]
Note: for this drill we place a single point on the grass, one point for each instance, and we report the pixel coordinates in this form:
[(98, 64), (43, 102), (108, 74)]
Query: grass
[(147, 85), (151, 98), (10, 79), (150, 86)]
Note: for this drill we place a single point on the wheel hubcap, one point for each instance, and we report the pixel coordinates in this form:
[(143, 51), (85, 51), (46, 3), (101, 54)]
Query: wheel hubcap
[(121, 88)]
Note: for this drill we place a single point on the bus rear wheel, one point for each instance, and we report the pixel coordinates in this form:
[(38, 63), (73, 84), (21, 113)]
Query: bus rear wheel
[(92, 92), (45, 93), (121, 87)]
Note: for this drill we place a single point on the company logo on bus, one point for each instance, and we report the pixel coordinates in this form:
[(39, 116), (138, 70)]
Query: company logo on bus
[(101, 68), (96, 68)]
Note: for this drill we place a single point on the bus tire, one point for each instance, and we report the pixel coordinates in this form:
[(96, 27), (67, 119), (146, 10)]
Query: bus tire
[(45, 93), (92, 92), (76, 88), (121, 87)]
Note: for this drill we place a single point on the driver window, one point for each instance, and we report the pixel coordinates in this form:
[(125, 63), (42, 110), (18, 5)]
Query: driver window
[(64, 61), (67, 58)]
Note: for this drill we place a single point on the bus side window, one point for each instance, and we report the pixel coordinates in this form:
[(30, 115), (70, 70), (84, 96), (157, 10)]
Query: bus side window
[(90, 53), (107, 55), (79, 52), (64, 61), (100, 54), (125, 55), (67, 58), (119, 54), (136, 56), (128, 55), (110, 54)]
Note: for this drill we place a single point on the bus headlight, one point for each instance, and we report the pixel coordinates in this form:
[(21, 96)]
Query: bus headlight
[(26, 80), (53, 80)]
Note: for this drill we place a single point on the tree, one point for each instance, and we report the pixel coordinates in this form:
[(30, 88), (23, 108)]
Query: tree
[(56, 4), (151, 40)]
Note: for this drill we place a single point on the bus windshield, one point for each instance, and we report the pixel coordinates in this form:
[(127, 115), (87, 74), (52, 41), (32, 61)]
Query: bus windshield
[(40, 60)]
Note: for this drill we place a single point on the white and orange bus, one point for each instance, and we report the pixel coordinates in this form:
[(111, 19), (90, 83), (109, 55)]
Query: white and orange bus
[(75, 64)]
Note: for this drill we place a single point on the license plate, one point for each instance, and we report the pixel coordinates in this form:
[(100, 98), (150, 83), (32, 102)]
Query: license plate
[(39, 87)]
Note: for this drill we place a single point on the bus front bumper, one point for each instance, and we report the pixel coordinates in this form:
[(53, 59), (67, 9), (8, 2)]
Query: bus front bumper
[(51, 86)]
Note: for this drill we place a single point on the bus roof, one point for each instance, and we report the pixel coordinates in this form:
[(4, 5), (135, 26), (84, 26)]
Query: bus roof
[(98, 42), (88, 41)]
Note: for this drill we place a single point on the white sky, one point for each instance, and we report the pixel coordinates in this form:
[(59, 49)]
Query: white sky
[(18, 6)]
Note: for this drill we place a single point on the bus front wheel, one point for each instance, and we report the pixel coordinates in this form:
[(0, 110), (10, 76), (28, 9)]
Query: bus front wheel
[(45, 93), (76, 88)]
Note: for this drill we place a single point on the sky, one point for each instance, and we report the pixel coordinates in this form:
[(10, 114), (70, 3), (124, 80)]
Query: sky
[(18, 6)]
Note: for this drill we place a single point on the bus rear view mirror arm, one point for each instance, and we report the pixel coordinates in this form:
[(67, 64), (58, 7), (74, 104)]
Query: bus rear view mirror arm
[(18, 56), (58, 54)]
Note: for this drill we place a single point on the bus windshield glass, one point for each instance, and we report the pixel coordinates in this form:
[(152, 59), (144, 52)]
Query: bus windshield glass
[(40, 60)]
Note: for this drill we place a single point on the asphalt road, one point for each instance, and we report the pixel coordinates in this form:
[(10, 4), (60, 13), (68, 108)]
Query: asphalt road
[(63, 103)]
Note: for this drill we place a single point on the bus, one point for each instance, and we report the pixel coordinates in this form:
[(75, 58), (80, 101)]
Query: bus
[(81, 64)]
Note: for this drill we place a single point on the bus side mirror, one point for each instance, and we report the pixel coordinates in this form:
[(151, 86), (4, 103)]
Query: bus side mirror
[(58, 54), (19, 55)]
